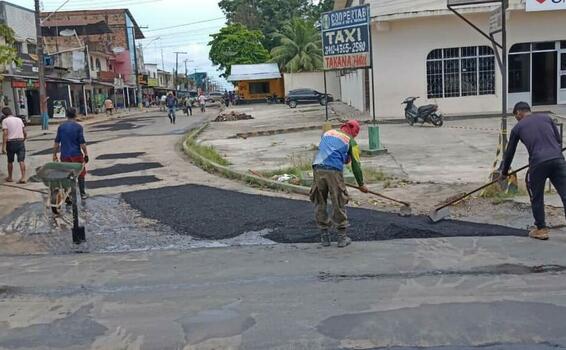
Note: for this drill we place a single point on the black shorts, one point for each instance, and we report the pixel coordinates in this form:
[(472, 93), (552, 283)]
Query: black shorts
[(16, 148)]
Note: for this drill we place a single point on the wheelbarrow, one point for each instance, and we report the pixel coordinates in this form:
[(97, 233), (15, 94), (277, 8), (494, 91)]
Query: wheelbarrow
[(61, 179)]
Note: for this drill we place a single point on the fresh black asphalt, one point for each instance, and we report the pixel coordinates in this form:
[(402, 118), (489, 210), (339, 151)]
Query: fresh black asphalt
[(211, 213), (113, 156), (122, 181), (125, 168), (50, 149)]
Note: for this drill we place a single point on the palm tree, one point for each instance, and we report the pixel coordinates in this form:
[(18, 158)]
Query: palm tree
[(300, 47)]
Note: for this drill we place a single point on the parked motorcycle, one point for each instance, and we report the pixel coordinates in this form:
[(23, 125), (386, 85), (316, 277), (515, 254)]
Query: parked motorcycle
[(423, 114)]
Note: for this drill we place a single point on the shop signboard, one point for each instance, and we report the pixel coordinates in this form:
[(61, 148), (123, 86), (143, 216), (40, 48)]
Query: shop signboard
[(545, 5), (59, 108), (21, 84), (346, 38)]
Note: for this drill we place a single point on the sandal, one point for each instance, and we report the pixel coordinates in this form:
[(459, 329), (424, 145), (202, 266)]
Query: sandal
[(22, 181), (8, 179)]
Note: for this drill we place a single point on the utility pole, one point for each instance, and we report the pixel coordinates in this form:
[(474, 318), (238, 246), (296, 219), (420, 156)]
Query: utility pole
[(177, 53), (162, 60), (41, 70), (136, 68)]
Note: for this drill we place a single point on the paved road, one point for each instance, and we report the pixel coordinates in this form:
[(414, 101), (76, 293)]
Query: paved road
[(458, 293), (145, 289)]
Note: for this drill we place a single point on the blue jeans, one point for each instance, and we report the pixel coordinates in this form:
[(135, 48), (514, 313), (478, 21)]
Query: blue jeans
[(171, 113), (555, 170)]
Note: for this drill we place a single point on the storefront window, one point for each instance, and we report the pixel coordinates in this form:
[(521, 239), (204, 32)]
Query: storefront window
[(519, 73), (549, 45), (523, 47), (455, 72)]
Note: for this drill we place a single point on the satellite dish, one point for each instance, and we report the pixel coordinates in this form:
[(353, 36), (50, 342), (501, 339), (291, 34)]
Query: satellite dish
[(118, 49), (68, 32)]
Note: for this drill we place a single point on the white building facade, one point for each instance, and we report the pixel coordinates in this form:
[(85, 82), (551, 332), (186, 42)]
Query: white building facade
[(420, 48)]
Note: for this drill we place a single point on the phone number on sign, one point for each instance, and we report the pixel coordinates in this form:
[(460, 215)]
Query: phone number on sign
[(339, 49)]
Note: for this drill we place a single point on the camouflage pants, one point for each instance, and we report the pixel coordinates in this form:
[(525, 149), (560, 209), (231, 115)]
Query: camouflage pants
[(329, 184)]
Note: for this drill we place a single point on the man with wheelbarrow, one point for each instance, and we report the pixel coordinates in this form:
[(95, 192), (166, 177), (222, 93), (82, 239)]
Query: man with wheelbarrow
[(540, 136), (337, 147), (71, 142)]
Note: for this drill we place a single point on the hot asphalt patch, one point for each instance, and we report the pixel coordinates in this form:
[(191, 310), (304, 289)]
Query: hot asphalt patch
[(211, 213), (122, 181), (125, 168), (50, 149), (119, 155)]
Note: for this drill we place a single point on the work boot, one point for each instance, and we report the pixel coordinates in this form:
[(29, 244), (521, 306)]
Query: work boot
[(343, 240), (539, 233), (325, 238)]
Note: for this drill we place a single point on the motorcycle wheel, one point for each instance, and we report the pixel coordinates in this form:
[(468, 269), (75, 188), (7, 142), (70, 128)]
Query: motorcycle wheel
[(437, 120), (409, 120)]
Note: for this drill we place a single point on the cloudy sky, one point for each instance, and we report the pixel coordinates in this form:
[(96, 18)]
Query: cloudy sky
[(173, 25)]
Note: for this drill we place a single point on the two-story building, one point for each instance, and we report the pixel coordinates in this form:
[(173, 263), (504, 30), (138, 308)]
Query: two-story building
[(103, 43), (420, 48), (19, 88)]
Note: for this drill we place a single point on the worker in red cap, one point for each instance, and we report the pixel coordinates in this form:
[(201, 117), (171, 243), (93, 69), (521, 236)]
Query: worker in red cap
[(337, 147)]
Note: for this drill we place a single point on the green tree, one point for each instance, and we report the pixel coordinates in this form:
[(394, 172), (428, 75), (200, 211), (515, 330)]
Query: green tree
[(300, 47), (236, 44), (269, 16), (8, 52)]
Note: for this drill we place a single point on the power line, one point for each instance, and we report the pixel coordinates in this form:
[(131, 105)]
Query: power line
[(186, 24), (107, 5), (194, 31)]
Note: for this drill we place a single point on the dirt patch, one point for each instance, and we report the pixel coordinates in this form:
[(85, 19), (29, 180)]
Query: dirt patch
[(125, 168), (211, 213), (232, 116)]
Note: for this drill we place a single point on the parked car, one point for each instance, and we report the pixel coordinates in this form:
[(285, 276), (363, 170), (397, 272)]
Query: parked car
[(215, 97), (297, 96)]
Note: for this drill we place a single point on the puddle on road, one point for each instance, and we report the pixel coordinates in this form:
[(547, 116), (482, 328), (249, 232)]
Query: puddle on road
[(112, 226)]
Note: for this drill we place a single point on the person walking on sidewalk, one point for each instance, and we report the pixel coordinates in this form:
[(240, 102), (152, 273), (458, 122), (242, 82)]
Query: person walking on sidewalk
[(540, 136), (337, 147), (13, 143), (108, 106), (71, 142), (202, 102), (171, 103), (189, 106)]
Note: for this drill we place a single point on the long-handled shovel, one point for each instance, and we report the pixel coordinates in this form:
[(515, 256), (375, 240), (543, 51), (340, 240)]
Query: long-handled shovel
[(405, 209), (442, 212)]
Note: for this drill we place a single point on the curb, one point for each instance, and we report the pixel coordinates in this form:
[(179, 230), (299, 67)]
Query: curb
[(396, 121), (211, 166)]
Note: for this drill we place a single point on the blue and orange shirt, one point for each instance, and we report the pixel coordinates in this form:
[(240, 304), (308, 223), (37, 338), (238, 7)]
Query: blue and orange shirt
[(336, 149)]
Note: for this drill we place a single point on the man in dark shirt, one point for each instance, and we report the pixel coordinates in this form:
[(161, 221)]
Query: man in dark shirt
[(540, 136), (71, 142)]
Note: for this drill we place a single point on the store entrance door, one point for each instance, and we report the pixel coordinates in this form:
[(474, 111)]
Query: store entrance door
[(545, 75)]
